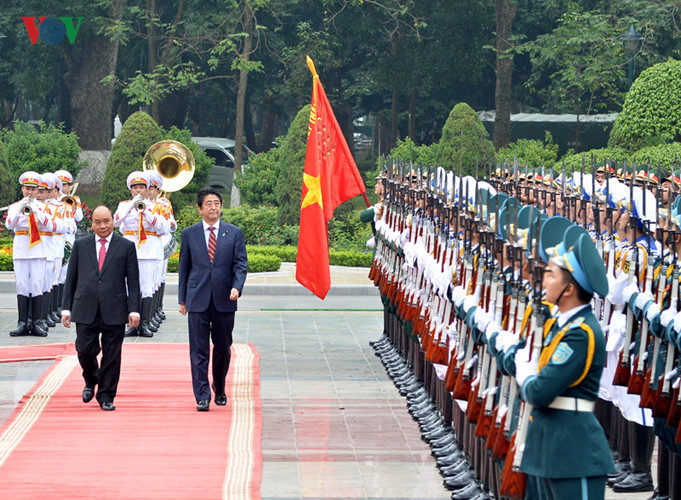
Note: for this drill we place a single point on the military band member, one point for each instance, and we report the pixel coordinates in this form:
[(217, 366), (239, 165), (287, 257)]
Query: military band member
[(75, 214), (27, 220), (137, 222)]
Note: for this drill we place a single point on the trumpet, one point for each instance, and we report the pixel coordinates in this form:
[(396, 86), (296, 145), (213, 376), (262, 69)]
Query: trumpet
[(26, 209), (140, 206)]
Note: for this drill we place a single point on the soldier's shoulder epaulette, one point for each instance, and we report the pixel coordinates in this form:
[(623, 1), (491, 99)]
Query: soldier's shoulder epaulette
[(576, 323)]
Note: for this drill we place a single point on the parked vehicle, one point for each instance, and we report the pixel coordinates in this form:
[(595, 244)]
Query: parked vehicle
[(222, 151)]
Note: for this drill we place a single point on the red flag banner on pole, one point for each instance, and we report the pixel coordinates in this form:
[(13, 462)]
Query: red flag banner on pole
[(330, 178)]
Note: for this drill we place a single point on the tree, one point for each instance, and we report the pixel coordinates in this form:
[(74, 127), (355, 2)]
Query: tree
[(258, 183), (7, 188), (291, 165), (651, 113), (464, 141), (138, 133), (504, 13)]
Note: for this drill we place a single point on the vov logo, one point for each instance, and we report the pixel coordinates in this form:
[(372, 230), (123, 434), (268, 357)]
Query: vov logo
[(52, 29)]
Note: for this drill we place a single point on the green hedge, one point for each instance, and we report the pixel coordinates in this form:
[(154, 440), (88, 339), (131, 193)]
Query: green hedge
[(285, 253), (259, 263), (349, 258), (6, 262)]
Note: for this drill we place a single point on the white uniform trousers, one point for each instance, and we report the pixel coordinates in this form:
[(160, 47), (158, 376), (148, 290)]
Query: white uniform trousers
[(147, 269), (30, 276)]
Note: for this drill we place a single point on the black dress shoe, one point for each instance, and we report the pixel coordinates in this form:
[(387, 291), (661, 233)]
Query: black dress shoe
[(203, 405), (38, 329), (130, 332), (468, 493), (460, 481), (658, 496), (635, 481), (107, 406), (221, 399), (456, 469), (143, 331), (88, 394), (48, 321), (613, 479)]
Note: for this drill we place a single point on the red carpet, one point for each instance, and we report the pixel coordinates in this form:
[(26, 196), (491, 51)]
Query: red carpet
[(155, 445), (34, 352)]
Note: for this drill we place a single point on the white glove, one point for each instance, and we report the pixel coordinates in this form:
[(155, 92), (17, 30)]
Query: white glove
[(667, 317), (677, 323), (652, 311), (628, 291), (617, 285), (371, 243), (504, 340), (523, 368), (470, 301), (482, 319), (458, 295), (642, 299)]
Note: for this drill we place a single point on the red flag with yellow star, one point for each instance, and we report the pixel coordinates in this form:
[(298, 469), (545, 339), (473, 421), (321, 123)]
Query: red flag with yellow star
[(330, 178)]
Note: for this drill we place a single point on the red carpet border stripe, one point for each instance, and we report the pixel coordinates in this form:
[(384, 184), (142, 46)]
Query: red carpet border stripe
[(34, 406), (242, 457)]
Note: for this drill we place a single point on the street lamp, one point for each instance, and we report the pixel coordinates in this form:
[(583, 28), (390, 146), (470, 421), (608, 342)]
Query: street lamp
[(632, 40)]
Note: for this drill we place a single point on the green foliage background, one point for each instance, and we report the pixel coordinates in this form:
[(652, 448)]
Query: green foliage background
[(45, 148), (530, 151), (258, 182), (651, 114), (7, 188), (464, 139), (291, 166)]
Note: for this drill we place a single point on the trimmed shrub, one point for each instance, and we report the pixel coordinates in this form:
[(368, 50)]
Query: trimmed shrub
[(173, 263), (349, 258), (291, 167), (285, 253), (259, 263), (651, 114), (257, 184), (573, 162), (44, 149), (137, 135), (464, 139)]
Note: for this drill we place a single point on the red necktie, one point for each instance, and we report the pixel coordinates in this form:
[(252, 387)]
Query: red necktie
[(102, 253), (212, 244)]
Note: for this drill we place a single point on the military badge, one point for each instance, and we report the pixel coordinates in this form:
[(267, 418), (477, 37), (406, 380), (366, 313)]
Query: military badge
[(561, 354)]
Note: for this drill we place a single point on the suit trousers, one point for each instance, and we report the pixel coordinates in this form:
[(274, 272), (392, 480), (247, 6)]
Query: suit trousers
[(203, 327), (106, 375)]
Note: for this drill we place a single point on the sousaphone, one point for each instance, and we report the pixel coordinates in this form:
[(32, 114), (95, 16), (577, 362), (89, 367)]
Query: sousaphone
[(175, 163)]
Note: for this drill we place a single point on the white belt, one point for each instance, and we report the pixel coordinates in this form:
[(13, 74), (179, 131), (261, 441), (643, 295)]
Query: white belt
[(573, 404)]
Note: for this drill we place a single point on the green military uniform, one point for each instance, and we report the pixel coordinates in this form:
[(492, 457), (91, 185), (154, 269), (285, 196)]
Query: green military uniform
[(566, 453)]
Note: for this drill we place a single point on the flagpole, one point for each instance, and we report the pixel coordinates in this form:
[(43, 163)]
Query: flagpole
[(310, 64)]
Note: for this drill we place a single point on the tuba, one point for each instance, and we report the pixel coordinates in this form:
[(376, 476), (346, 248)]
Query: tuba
[(175, 163)]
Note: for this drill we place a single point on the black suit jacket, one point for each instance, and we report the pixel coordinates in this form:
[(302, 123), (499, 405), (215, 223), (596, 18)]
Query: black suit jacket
[(115, 291), (199, 279)]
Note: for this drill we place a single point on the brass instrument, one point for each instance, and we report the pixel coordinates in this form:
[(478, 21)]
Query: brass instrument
[(69, 200), (140, 206), (26, 209), (175, 163)]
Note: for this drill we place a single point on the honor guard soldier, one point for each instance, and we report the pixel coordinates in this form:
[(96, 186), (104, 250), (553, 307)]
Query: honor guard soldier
[(27, 220), (561, 381), (73, 211), (165, 208), (154, 185), (136, 220)]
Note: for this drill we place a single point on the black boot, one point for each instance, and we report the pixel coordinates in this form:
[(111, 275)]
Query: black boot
[(642, 441), (56, 312), (161, 314), (22, 324), (38, 329), (47, 309), (152, 323), (143, 330)]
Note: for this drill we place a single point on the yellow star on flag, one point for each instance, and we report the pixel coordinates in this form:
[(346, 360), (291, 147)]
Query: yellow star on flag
[(314, 191)]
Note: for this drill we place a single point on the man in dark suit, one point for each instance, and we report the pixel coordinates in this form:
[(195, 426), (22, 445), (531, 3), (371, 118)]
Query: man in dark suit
[(101, 295), (212, 272)]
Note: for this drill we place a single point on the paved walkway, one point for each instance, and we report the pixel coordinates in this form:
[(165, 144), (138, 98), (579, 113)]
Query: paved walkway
[(334, 425)]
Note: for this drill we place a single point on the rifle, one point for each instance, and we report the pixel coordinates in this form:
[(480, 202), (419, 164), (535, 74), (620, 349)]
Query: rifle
[(513, 481), (623, 371), (637, 379)]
